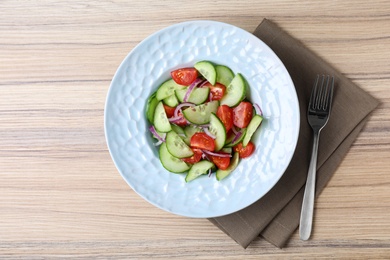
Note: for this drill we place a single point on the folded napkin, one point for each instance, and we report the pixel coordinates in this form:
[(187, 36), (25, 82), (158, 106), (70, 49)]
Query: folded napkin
[(276, 216)]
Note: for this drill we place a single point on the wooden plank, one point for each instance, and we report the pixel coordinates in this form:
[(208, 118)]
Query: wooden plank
[(61, 195)]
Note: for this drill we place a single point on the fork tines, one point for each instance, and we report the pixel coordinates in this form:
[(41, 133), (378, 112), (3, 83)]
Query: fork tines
[(322, 92)]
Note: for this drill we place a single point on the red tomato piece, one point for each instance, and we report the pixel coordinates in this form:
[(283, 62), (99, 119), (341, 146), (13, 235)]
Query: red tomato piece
[(221, 162), (195, 158), (184, 76), (202, 141), (225, 113), (169, 110), (229, 134), (216, 91), (246, 151), (242, 114)]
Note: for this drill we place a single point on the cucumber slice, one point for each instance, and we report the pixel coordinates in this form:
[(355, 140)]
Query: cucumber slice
[(197, 96), (201, 114), (229, 141), (171, 101), (151, 107), (178, 130), (189, 131), (177, 147), (235, 91), (251, 129), (224, 75), (170, 162), (207, 70), (227, 150), (221, 174), (167, 89), (160, 120), (198, 169), (217, 128)]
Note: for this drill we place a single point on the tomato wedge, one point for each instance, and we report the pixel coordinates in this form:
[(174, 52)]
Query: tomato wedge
[(225, 113), (195, 158), (221, 162), (246, 151), (202, 141), (216, 91), (242, 114), (184, 76), (170, 111)]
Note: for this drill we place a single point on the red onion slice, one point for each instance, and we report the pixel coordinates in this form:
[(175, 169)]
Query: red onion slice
[(204, 156), (238, 135), (217, 154), (180, 106), (258, 109), (190, 89), (210, 96), (175, 119), (207, 131), (154, 132), (203, 84)]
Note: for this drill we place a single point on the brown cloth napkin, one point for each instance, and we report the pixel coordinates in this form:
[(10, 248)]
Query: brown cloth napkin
[(276, 216)]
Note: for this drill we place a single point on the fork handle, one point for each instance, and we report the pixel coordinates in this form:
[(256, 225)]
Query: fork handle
[(306, 220)]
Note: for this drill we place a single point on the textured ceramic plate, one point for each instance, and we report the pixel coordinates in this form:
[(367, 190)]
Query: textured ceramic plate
[(148, 65)]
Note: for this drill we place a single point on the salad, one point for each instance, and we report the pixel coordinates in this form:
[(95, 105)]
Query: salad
[(202, 120)]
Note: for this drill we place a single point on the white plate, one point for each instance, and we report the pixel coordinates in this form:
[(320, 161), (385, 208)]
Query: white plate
[(148, 65)]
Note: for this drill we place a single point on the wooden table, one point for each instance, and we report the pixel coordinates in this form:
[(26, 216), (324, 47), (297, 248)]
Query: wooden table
[(61, 195)]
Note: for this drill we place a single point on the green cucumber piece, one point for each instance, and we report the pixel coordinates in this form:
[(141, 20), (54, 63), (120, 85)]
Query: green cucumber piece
[(217, 128), (167, 89), (151, 107), (251, 128), (171, 101), (227, 150), (189, 131), (221, 174), (160, 120), (224, 75), (201, 114), (229, 142), (207, 70), (178, 130), (235, 91), (170, 162), (197, 96), (177, 147), (198, 169)]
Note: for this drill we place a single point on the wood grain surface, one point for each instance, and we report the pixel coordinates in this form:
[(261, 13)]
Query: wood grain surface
[(60, 193)]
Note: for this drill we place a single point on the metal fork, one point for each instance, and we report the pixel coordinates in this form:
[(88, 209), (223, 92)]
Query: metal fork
[(318, 115)]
